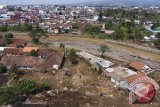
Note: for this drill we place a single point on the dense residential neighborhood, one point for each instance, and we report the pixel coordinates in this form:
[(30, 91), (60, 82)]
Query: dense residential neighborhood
[(79, 56)]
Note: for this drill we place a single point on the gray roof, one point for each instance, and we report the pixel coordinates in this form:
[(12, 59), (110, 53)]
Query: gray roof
[(20, 60)]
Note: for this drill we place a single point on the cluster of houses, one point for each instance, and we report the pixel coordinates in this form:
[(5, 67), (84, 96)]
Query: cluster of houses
[(18, 54), (53, 19), (121, 76)]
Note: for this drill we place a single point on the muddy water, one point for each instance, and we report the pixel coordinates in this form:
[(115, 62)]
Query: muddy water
[(137, 52)]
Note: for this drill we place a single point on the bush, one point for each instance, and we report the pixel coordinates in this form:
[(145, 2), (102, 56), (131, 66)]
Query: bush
[(157, 43), (28, 86), (75, 26), (14, 69), (43, 86), (61, 45), (7, 95), (3, 28), (73, 56), (8, 41), (8, 35), (33, 53), (103, 49), (35, 40), (2, 68), (92, 30)]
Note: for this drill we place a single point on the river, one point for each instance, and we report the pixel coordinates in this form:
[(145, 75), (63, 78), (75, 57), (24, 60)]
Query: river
[(137, 52)]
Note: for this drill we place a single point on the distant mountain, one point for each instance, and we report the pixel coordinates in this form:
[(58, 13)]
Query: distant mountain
[(83, 2), (126, 2)]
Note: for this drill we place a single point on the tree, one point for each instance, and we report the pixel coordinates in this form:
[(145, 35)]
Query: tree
[(7, 95), (3, 28), (10, 8), (75, 26), (2, 68), (8, 35), (118, 34), (157, 43), (60, 13), (103, 49), (92, 30), (61, 45), (33, 53), (28, 86), (73, 56), (43, 86), (100, 16), (7, 40), (19, 9), (35, 40), (136, 34), (14, 69)]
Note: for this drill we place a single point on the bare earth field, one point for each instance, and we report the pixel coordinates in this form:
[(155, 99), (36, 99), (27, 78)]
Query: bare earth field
[(84, 88)]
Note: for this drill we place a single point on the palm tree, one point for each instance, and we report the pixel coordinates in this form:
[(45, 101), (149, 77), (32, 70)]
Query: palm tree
[(136, 33)]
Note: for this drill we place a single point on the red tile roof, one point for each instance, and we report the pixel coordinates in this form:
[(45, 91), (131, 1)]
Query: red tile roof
[(17, 42), (15, 51), (29, 49), (136, 65), (51, 59), (21, 61), (132, 78)]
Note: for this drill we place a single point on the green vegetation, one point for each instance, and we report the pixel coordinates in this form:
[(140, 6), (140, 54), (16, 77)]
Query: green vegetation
[(8, 35), (73, 56), (157, 43), (28, 86), (61, 45), (20, 27), (10, 8), (131, 14), (75, 26), (100, 16), (7, 40), (43, 86), (19, 92), (156, 26), (2, 68), (3, 28), (103, 49), (92, 31), (19, 9), (8, 94), (128, 31), (122, 22), (33, 53), (38, 32), (14, 69), (35, 41)]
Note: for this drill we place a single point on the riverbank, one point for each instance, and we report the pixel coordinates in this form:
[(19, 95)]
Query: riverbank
[(148, 49), (114, 53)]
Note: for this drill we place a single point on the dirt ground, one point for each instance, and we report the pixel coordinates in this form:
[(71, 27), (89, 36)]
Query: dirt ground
[(83, 87)]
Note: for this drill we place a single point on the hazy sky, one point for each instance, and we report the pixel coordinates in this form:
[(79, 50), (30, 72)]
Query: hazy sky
[(42, 1), (78, 1)]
